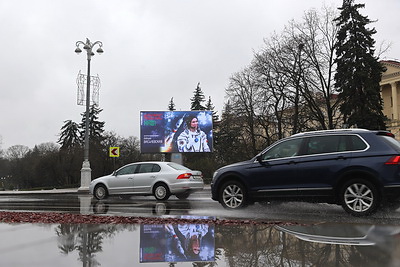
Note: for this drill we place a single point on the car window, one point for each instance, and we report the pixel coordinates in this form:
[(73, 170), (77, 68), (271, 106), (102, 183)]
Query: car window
[(130, 169), (325, 144), (333, 143), (289, 148), (357, 143), (148, 167)]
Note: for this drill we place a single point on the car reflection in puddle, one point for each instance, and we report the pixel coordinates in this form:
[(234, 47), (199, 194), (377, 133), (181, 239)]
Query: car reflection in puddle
[(358, 235), (140, 208)]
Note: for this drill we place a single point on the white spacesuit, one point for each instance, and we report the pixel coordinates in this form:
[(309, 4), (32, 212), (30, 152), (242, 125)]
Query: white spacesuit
[(193, 141)]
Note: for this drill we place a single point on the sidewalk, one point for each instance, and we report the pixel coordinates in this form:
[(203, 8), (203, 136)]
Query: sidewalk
[(49, 191)]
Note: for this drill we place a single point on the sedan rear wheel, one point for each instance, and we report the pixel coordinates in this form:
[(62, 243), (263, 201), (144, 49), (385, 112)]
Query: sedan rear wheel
[(100, 192), (359, 197), (233, 195), (161, 192)]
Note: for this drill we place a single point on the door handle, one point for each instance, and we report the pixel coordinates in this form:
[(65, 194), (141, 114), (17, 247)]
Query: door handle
[(340, 157)]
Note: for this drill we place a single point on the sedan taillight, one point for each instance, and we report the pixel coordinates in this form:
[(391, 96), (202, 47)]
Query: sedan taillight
[(184, 176), (395, 160)]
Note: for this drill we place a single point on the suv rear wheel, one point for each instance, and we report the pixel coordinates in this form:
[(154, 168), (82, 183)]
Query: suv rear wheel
[(359, 197), (233, 195)]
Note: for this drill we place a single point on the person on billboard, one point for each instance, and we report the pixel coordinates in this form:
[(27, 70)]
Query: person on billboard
[(192, 139), (186, 241)]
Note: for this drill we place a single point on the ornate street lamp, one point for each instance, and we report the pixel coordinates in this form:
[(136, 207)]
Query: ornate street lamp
[(86, 171)]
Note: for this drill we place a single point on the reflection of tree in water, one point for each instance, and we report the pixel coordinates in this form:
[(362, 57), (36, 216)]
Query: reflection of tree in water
[(248, 245), (87, 239), (67, 237), (371, 256), (266, 246)]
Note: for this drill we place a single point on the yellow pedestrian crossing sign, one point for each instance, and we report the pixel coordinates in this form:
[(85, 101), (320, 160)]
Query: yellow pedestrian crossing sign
[(114, 152)]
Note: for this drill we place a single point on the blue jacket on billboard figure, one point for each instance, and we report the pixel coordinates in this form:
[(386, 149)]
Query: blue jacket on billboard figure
[(192, 139)]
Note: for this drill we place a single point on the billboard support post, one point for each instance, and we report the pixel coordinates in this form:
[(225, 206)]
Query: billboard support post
[(177, 158)]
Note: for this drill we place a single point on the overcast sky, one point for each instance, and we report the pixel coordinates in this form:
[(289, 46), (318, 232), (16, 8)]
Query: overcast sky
[(153, 50)]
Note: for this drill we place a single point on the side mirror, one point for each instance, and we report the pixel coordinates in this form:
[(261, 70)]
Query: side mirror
[(259, 158)]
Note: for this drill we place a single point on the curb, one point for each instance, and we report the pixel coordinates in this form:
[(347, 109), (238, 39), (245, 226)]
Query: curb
[(59, 191)]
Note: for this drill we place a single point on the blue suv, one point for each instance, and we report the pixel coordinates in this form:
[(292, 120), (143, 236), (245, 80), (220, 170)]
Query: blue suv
[(356, 168)]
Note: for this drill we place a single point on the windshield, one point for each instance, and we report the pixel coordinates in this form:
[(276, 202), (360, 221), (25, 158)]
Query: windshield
[(178, 167)]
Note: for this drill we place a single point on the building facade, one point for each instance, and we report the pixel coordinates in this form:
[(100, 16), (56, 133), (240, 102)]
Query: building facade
[(391, 95)]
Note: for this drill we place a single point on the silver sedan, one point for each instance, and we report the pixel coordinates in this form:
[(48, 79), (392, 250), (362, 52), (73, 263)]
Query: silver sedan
[(161, 179)]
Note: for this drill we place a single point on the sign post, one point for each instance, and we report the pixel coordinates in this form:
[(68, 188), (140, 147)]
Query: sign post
[(114, 153)]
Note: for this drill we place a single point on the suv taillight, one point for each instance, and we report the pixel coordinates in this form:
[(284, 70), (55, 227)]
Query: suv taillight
[(395, 160), (184, 176), (384, 133)]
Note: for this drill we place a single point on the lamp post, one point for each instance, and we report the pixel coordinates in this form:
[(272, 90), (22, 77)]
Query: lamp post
[(86, 171), (296, 126)]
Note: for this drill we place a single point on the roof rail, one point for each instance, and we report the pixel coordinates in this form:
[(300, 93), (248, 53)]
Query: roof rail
[(331, 130)]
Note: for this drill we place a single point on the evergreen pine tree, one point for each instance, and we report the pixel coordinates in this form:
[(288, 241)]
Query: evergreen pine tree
[(198, 99), (69, 136), (96, 127), (98, 151), (171, 105), (228, 143), (358, 70), (70, 152), (211, 107)]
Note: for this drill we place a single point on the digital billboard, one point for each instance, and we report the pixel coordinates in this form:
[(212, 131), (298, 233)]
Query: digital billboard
[(177, 243), (176, 131)]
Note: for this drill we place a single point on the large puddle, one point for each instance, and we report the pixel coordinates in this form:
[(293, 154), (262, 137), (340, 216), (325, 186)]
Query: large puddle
[(115, 245)]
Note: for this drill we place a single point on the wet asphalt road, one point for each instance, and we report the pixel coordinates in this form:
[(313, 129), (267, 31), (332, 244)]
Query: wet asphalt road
[(198, 204)]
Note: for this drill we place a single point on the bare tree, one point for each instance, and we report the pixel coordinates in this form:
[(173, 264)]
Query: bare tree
[(317, 35), (243, 94), (16, 152), (295, 70), (273, 73)]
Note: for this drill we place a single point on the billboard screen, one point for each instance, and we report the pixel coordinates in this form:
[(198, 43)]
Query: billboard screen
[(177, 243), (176, 131)]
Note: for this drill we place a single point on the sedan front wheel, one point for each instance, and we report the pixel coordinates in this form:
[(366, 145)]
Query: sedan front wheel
[(233, 195), (100, 192)]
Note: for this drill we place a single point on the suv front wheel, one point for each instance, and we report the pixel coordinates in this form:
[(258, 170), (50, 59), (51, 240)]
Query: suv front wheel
[(359, 197), (233, 195)]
